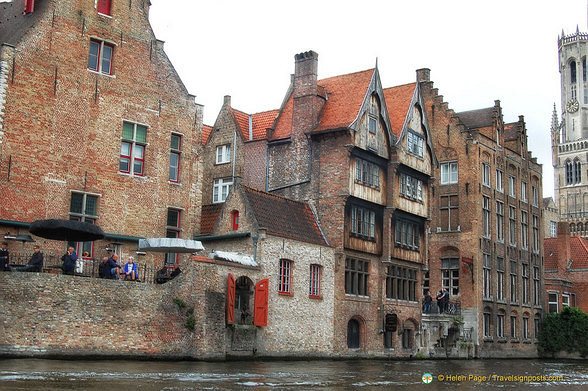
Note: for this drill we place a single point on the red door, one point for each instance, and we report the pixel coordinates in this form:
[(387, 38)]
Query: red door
[(261, 299), (231, 299)]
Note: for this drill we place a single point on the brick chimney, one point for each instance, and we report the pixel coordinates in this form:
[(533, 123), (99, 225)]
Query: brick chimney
[(307, 102), (423, 74)]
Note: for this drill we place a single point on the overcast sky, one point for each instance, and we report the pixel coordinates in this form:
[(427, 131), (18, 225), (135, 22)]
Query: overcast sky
[(478, 51)]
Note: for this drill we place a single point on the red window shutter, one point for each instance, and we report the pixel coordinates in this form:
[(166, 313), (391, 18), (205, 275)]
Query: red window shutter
[(29, 6), (231, 299), (261, 299), (235, 220), (104, 7)]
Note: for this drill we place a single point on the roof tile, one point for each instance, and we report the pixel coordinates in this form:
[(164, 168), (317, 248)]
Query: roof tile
[(398, 100), (209, 216)]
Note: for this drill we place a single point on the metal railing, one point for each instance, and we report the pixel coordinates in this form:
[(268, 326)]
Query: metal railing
[(84, 267), (453, 308)]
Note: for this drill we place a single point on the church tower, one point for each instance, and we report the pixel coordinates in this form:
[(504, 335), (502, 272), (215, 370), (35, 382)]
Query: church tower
[(569, 137)]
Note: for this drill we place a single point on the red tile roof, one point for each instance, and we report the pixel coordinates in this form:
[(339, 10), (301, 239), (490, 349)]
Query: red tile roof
[(550, 248), (578, 252), (209, 216), (284, 125), (398, 102), (284, 217), (206, 130), (259, 123)]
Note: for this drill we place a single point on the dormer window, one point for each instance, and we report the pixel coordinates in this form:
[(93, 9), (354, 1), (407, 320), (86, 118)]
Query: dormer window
[(415, 143)]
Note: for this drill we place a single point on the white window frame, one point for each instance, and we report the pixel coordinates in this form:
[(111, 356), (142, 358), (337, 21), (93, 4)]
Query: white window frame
[(511, 186), (486, 174), (415, 143), (524, 191), (499, 179), (223, 154), (221, 189), (449, 171)]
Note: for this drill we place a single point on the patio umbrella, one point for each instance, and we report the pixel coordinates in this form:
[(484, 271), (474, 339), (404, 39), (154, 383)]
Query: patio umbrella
[(70, 230), (170, 245)]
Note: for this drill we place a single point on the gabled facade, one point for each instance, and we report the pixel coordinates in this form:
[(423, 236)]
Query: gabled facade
[(486, 227), (334, 144), (95, 125), (282, 303), (235, 147)]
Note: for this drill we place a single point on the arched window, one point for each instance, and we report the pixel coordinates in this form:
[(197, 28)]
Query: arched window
[(573, 72), (243, 295), (569, 172), (353, 334), (580, 227), (577, 171), (572, 227)]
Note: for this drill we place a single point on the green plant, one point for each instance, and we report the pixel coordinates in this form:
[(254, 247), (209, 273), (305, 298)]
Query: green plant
[(180, 303), (564, 331), (190, 322), (190, 311), (457, 320)]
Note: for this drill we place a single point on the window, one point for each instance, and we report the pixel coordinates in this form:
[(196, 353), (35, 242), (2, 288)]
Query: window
[(524, 229), (569, 172), (426, 281), (577, 171), (221, 189), (572, 72), (314, 289), (499, 221), (407, 234), (367, 173), (401, 283), (512, 227), (449, 213), (535, 195), (100, 57), (172, 230), (525, 327), (450, 274), (525, 273), (565, 300), (513, 326), (363, 222), (132, 149), (487, 317), (513, 281), (500, 279), (285, 275), (411, 187), (511, 187), (83, 207), (235, 220), (537, 325), (373, 124), (415, 143), (553, 229), (174, 158), (356, 277), (487, 281), (524, 191), (407, 338), (448, 173), (103, 7), (536, 234), (499, 186), (536, 286), (223, 154), (353, 334), (486, 217), (486, 174), (500, 326), (553, 304)]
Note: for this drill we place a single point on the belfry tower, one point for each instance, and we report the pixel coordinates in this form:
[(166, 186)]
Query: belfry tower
[(569, 137)]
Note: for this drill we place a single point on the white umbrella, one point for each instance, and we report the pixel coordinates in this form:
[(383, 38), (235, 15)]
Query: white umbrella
[(170, 245)]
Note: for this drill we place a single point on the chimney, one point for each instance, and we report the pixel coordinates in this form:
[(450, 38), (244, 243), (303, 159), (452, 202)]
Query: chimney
[(305, 74), (423, 74), (227, 100)]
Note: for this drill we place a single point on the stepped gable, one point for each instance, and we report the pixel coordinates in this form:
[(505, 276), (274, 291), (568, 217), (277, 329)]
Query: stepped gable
[(209, 217), (284, 217), (398, 101)]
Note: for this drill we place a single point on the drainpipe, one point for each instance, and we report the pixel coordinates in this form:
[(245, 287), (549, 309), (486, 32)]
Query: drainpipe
[(255, 238), (234, 154)]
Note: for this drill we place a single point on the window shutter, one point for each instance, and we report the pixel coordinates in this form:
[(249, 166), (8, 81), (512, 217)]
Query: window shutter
[(261, 299), (231, 299), (29, 6), (104, 7)]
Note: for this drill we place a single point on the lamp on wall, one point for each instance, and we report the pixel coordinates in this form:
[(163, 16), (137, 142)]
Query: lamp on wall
[(8, 236), (108, 248)]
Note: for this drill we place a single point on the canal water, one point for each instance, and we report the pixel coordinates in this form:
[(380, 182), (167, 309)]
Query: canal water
[(363, 375)]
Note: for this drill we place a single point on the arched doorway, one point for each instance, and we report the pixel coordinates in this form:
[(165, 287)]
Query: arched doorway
[(353, 334), (243, 295)]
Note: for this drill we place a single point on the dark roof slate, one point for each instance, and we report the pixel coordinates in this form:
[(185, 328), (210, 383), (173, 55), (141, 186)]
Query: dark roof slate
[(477, 118)]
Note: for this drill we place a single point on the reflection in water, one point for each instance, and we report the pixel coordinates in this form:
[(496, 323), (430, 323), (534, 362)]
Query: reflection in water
[(32, 374)]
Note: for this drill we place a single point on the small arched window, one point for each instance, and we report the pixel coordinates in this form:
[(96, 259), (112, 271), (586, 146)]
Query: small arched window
[(573, 72), (577, 171), (353, 334), (569, 172)]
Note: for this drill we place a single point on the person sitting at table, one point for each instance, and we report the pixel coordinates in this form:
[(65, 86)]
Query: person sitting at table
[(69, 261), (130, 269), (35, 263)]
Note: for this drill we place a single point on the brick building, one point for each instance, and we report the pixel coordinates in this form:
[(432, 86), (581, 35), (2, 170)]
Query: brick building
[(566, 271), (486, 237), (283, 303), (361, 156), (95, 124)]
